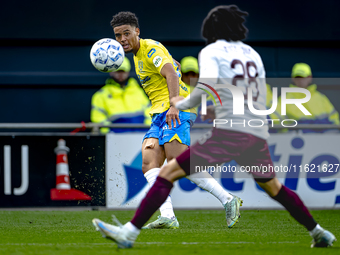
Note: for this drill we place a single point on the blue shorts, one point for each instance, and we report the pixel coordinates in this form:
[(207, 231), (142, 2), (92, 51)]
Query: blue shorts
[(160, 130)]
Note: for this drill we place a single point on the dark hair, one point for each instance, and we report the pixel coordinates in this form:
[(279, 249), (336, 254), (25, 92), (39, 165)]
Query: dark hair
[(124, 18), (224, 22)]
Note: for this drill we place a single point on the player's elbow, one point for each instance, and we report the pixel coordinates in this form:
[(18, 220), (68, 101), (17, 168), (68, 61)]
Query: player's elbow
[(168, 71), (171, 76)]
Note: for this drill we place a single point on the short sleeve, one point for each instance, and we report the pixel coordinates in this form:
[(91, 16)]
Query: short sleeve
[(157, 57)]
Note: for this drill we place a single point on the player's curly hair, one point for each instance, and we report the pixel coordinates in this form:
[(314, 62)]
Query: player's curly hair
[(224, 22), (124, 18)]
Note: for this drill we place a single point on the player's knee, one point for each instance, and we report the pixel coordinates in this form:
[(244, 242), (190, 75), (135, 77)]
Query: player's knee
[(166, 173), (146, 166), (150, 162), (172, 171), (153, 155)]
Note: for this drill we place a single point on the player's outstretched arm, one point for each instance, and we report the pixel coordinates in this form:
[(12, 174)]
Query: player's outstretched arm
[(191, 101), (168, 72)]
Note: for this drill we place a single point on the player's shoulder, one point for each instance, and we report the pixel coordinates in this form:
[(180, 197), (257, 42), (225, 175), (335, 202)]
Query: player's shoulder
[(151, 48), (215, 46), (249, 49), (154, 52), (209, 51), (223, 45), (150, 44)]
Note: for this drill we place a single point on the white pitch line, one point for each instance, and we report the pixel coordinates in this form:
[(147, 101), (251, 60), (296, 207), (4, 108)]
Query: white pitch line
[(139, 243), (241, 242), (53, 244)]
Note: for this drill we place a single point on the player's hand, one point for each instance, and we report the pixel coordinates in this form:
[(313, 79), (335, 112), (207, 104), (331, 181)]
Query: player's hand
[(210, 114), (174, 100), (171, 116)]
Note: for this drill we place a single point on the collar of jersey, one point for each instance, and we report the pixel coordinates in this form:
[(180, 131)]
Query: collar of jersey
[(141, 44)]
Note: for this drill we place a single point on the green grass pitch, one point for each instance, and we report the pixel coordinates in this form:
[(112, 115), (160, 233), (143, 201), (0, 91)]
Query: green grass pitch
[(201, 232)]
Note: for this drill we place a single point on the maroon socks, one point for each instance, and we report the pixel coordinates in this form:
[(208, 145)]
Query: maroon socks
[(162, 187), (291, 201), (152, 201)]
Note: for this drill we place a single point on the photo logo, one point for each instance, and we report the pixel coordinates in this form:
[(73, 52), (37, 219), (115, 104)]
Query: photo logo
[(204, 97), (207, 91), (238, 98)]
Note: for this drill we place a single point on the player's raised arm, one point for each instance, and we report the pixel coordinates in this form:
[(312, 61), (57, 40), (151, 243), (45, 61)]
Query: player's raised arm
[(168, 72)]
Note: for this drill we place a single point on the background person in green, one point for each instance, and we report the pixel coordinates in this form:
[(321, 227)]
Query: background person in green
[(121, 100), (322, 110), (189, 69)]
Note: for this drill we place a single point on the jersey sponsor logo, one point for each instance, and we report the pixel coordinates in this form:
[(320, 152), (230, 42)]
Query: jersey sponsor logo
[(151, 52), (157, 61)]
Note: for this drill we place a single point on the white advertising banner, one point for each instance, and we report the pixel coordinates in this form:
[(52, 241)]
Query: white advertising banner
[(307, 164)]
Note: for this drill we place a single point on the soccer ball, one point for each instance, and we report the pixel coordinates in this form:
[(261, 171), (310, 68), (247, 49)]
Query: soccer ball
[(107, 55)]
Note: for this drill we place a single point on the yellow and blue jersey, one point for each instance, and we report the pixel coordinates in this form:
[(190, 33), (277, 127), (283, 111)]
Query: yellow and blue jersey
[(149, 61)]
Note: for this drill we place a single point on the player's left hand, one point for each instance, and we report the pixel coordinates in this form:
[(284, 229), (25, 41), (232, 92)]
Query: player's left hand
[(171, 116)]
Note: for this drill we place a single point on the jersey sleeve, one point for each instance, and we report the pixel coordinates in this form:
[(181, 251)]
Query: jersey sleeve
[(157, 57)]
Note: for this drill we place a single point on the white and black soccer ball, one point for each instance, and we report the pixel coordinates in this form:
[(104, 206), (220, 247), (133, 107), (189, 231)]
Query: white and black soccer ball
[(107, 55)]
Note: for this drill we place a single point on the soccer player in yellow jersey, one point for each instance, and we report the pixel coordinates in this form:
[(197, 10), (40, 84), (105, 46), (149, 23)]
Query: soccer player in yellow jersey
[(169, 134)]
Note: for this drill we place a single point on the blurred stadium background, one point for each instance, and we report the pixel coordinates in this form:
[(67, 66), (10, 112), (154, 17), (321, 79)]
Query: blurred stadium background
[(46, 75)]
